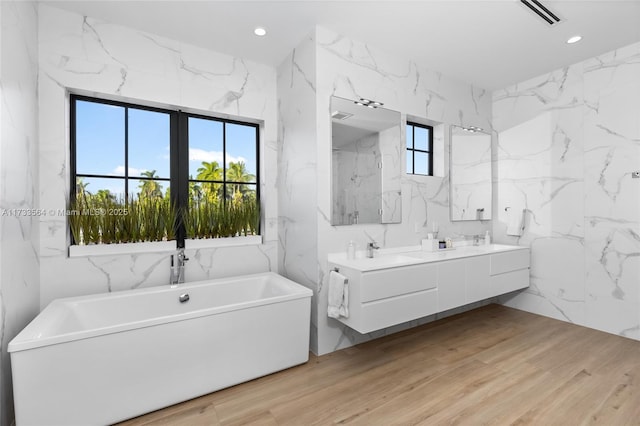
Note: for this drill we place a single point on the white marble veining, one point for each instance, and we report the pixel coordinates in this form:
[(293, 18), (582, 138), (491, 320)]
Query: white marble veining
[(567, 144), (88, 56), (19, 279)]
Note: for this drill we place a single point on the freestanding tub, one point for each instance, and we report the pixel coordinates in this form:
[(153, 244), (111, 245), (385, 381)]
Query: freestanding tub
[(105, 358)]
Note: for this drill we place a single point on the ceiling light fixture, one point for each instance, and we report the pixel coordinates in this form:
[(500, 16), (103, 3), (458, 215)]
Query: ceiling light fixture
[(574, 39), (260, 32), (368, 103)]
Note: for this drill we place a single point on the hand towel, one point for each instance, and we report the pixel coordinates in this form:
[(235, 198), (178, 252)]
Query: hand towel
[(338, 295), (516, 222)]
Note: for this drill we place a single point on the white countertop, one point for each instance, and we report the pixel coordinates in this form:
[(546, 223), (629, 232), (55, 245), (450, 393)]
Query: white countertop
[(413, 255)]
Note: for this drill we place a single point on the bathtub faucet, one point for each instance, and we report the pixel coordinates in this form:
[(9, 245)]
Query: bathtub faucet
[(177, 267)]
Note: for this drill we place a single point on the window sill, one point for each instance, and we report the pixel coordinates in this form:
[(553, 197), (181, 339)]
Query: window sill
[(125, 248), (161, 246), (204, 243)]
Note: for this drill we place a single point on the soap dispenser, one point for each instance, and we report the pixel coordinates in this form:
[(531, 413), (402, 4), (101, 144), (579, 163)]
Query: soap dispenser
[(351, 250), (487, 238)]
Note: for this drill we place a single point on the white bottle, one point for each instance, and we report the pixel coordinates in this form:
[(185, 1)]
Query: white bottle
[(487, 238), (351, 250)]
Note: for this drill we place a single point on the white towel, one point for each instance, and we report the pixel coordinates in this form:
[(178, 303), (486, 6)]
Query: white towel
[(338, 295), (516, 222)]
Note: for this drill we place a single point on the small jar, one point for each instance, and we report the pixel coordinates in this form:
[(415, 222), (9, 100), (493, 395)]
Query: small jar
[(442, 244)]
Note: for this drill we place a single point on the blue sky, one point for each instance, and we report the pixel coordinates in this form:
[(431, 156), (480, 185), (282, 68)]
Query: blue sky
[(100, 144)]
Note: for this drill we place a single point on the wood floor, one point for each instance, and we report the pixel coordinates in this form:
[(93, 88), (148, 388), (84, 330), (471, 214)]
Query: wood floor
[(493, 365)]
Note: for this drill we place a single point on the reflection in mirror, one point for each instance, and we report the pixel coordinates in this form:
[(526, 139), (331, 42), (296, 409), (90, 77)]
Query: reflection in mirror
[(365, 164), (470, 174)]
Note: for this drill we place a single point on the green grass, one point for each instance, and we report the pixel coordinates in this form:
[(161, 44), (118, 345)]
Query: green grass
[(100, 220), (206, 219)]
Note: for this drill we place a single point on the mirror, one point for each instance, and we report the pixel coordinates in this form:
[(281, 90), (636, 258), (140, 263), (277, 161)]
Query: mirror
[(365, 164), (470, 174)]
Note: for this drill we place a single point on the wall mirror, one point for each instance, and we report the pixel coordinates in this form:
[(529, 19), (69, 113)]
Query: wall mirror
[(470, 174), (365, 164)]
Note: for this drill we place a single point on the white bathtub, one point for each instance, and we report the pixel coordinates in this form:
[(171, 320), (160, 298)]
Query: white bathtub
[(106, 358)]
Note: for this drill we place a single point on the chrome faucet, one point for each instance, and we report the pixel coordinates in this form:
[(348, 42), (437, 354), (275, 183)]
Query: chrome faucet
[(370, 248), (177, 268)]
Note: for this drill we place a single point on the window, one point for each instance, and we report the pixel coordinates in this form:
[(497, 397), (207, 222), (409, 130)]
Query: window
[(148, 174), (419, 149)]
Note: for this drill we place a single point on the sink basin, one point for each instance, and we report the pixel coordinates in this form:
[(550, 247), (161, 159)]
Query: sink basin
[(486, 248), (384, 261), (415, 256)]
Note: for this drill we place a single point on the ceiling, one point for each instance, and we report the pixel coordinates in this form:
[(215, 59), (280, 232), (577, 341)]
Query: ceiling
[(491, 44)]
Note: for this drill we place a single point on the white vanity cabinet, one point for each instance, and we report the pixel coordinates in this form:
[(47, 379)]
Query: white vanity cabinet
[(380, 298), (391, 295)]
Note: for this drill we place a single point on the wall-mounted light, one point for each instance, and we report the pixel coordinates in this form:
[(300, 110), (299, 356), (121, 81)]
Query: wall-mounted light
[(368, 103), (260, 32), (473, 129)]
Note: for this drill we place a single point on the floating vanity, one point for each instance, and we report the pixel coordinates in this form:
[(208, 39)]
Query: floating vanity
[(406, 284)]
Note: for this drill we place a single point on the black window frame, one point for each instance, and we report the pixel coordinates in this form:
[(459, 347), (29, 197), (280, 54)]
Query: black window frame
[(224, 180), (178, 156), (412, 150)]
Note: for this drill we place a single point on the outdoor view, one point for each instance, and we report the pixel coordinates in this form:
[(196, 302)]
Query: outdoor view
[(123, 167)]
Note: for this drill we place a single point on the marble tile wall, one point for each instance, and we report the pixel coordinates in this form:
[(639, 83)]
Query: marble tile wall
[(328, 64), (297, 178), (81, 54), (19, 279), (567, 145)]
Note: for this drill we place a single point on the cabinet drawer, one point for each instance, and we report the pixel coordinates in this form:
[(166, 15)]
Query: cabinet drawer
[(478, 285), (451, 284), (510, 281), (392, 282), (509, 261), (385, 313)]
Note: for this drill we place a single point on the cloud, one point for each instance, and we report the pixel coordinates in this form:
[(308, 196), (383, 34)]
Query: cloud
[(196, 154), (132, 171)]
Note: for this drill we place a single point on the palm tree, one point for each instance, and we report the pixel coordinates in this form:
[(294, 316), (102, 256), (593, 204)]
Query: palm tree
[(195, 190), (237, 173), (105, 195), (210, 171), (81, 188), (150, 188)]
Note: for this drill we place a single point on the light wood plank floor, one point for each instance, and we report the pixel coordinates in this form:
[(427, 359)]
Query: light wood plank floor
[(492, 365)]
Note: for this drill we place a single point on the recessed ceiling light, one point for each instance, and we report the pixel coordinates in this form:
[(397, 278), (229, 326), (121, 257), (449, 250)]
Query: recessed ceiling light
[(259, 31), (574, 39)]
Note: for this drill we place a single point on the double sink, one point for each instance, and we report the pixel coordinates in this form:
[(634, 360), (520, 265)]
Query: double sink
[(408, 256)]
